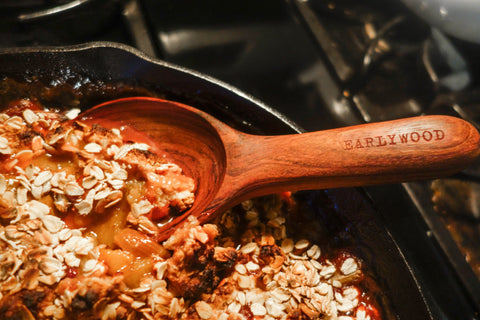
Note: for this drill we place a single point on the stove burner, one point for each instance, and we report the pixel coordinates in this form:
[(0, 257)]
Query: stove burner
[(374, 56)]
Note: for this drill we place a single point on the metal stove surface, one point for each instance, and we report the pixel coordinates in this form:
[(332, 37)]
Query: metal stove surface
[(324, 64)]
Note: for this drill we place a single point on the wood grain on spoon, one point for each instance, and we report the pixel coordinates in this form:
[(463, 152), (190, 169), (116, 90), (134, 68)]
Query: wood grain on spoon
[(230, 166)]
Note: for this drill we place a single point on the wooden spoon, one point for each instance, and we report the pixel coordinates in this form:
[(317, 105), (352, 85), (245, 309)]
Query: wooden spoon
[(229, 166)]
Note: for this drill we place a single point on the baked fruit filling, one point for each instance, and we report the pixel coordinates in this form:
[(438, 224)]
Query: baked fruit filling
[(80, 207)]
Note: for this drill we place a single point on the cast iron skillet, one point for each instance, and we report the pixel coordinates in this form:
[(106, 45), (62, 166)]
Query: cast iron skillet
[(95, 71)]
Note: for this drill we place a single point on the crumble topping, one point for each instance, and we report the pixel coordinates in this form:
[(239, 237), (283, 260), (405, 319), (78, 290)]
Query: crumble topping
[(78, 212)]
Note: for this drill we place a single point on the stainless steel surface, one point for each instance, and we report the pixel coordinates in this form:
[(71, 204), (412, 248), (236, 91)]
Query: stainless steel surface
[(458, 18)]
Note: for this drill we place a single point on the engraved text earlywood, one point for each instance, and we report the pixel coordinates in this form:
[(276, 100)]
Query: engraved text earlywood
[(393, 139)]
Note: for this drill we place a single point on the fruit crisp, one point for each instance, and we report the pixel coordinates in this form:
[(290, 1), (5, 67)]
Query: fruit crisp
[(79, 207)]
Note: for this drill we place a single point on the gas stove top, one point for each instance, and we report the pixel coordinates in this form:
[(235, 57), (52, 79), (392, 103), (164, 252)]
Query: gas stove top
[(323, 64)]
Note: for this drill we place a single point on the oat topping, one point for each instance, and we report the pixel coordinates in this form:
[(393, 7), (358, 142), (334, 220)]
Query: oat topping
[(79, 208)]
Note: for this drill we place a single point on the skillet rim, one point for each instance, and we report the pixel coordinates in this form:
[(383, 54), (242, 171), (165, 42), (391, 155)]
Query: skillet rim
[(244, 96)]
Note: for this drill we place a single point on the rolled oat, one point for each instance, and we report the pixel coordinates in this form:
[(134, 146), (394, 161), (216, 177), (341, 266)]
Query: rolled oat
[(52, 249)]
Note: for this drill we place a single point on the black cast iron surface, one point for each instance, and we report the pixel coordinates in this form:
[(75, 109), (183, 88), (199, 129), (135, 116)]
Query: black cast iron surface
[(109, 63)]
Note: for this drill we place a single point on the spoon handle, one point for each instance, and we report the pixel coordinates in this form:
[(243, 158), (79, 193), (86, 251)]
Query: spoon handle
[(377, 153)]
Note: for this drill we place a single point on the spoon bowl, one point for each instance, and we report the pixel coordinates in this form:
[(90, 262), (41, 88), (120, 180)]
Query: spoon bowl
[(182, 134), (229, 166)]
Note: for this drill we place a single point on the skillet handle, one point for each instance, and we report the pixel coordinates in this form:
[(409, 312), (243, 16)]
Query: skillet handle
[(395, 151)]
